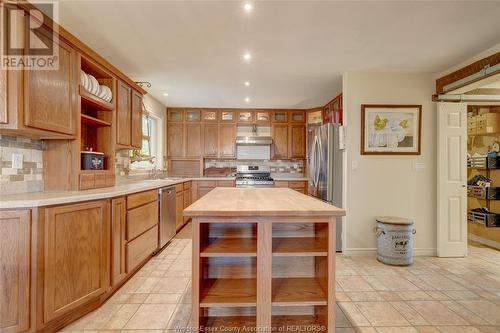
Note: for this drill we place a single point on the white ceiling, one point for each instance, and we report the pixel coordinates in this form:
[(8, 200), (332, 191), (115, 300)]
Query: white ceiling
[(193, 49)]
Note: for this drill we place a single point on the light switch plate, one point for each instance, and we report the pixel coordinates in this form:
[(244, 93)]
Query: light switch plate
[(355, 165), (17, 161), (419, 167)]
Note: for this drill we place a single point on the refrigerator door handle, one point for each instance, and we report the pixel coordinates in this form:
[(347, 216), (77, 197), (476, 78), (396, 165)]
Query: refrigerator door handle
[(318, 166), (312, 167)]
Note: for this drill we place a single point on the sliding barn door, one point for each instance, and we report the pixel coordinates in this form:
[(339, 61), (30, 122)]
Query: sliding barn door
[(452, 180)]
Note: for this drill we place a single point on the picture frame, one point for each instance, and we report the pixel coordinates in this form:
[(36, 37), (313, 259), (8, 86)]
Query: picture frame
[(391, 129)]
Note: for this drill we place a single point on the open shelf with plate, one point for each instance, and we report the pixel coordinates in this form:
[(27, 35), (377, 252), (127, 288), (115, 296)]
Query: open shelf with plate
[(97, 118)]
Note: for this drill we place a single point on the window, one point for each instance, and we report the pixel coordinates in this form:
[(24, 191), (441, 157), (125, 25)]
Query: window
[(149, 156)]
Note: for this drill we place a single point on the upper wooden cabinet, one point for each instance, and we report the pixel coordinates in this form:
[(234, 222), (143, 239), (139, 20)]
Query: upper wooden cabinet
[(50, 95), (175, 115), (263, 117), (227, 137), (136, 120), (192, 138), (297, 141), (210, 140), (76, 242), (280, 141), (192, 115), (215, 134), (15, 231), (210, 115), (175, 140), (297, 116), (228, 116), (245, 116), (128, 117), (123, 114), (280, 116)]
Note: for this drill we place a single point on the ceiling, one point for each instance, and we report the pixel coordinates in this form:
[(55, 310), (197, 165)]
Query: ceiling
[(193, 50)]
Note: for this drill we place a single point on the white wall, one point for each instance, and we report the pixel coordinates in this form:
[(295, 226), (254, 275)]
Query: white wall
[(389, 185)]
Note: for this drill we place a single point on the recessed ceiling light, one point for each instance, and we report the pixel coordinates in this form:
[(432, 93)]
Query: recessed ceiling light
[(247, 83), (247, 56), (247, 99), (248, 7), (165, 94)]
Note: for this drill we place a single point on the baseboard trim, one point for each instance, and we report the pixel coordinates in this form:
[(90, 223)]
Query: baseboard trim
[(481, 240), (417, 252)]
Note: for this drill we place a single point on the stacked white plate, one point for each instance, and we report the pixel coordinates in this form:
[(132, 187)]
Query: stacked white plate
[(90, 83)]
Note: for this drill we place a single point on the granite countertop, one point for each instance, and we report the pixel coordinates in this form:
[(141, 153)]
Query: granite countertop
[(236, 202), (38, 199)]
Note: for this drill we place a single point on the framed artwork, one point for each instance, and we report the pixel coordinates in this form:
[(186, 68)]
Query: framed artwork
[(391, 129)]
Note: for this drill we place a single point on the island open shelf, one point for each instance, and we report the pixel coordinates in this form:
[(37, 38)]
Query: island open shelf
[(263, 259)]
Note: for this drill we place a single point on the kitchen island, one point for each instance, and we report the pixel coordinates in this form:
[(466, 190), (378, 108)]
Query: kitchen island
[(263, 259)]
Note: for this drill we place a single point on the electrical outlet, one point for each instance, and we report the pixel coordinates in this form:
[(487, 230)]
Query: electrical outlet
[(17, 161)]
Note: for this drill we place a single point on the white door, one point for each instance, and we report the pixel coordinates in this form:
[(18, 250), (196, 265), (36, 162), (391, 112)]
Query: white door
[(452, 180)]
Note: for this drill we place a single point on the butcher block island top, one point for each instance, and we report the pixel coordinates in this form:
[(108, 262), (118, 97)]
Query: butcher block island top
[(263, 261), (227, 201)]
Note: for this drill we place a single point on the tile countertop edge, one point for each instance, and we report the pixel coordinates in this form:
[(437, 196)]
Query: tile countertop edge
[(40, 199)]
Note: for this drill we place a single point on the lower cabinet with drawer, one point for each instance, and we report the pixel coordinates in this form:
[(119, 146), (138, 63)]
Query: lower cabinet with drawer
[(297, 185), (141, 232), (141, 248), (202, 187)]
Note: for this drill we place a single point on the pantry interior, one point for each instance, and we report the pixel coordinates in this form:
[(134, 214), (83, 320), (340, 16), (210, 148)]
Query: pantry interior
[(483, 169)]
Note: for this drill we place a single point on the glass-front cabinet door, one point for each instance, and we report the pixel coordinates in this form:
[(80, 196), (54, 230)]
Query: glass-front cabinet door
[(262, 116), (175, 115), (227, 116), (297, 116), (209, 115), (245, 116), (280, 117), (193, 115)]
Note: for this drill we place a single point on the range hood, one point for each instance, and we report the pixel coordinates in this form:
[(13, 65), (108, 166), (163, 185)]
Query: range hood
[(254, 140)]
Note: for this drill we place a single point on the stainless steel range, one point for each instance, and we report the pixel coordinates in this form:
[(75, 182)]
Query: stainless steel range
[(253, 176)]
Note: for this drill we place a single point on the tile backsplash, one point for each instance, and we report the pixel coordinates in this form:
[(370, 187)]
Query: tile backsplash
[(29, 177), (276, 166)]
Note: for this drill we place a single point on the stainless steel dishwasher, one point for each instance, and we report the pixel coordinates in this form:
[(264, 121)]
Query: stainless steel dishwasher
[(167, 214)]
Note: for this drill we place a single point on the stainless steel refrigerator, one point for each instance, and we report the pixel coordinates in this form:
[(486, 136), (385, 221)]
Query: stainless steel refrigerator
[(325, 167)]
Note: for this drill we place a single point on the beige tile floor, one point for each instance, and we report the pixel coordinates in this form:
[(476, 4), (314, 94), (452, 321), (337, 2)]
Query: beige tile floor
[(433, 295)]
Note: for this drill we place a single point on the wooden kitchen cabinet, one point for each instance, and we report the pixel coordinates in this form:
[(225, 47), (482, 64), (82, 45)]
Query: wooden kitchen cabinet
[(245, 116), (227, 116), (192, 115), (123, 114), (128, 117), (209, 115), (179, 207), (76, 258), (210, 140), (192, 139), (262, 117), (280, 116), (297, 140), (175, 140), (15, 272), (227, 137), (297, 116), (136, 125), (3, 97), (280, 141), (175, 115), (187, 200), (297, 185), (118, 228), (50, 95)]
